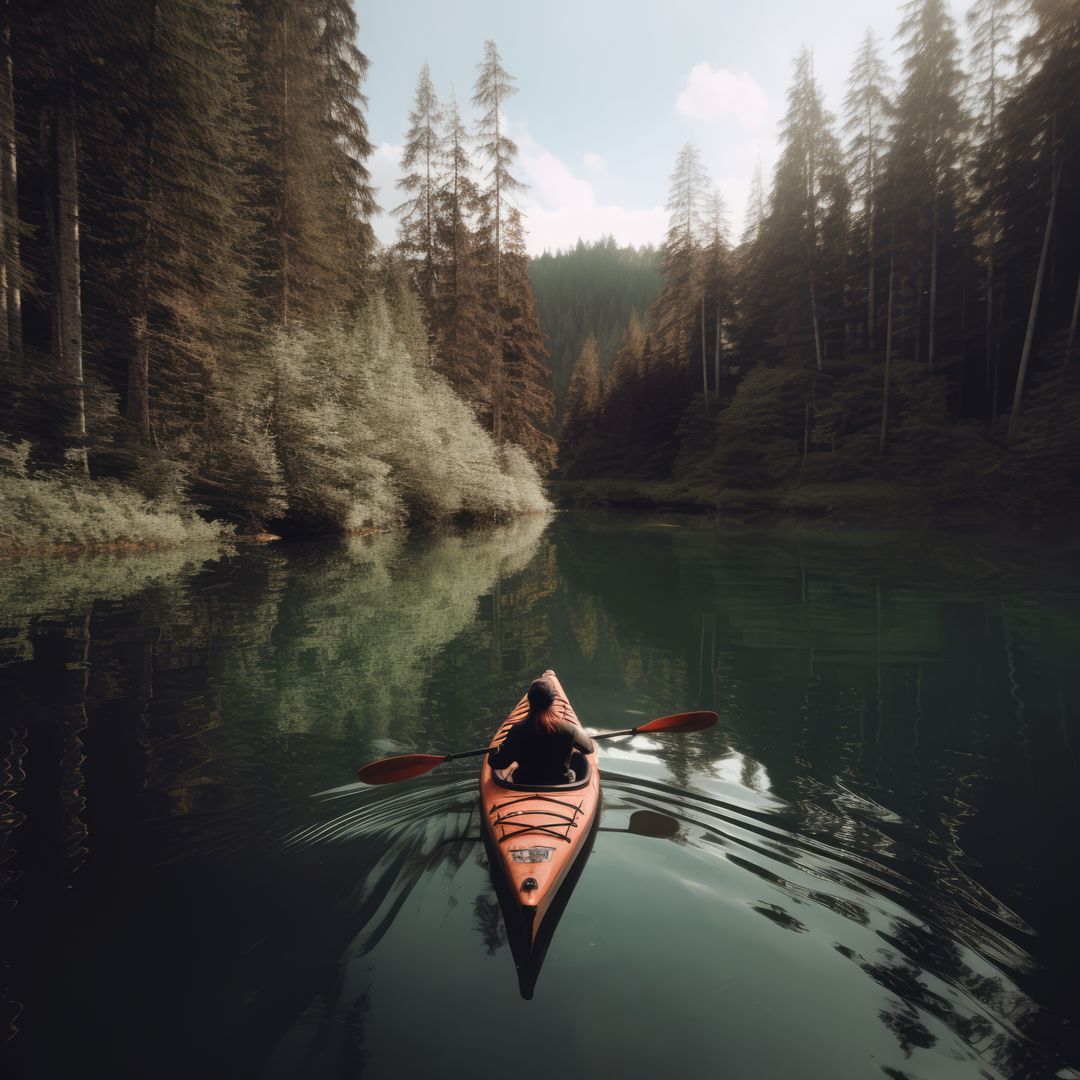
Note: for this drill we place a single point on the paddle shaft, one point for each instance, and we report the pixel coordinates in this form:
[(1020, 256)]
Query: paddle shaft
[(407, 766), (485, 749)]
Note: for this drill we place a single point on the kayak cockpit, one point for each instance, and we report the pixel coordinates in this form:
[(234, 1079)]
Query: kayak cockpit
[(579, 763)]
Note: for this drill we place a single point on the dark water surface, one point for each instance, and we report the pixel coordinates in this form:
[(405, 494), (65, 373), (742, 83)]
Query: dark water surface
[(868, 868)]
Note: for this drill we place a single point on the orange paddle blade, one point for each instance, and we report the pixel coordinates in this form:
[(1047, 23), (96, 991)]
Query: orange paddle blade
[(405, 767), (681, 722)]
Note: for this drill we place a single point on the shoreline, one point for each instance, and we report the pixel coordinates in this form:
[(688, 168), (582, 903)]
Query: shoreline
[(837, 506)]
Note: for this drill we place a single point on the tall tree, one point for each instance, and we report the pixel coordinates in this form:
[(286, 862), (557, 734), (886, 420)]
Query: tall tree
[(927, 150), (312, 185), (529, 403), (494, 86), (11, 273), (68, 257), (808, 187), (675, 310), (991, 24), (417, 232), (457, 314), (716, 285), (867, 108)]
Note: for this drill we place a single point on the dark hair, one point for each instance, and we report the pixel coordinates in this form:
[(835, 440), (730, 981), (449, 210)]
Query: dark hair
[(541, 701)]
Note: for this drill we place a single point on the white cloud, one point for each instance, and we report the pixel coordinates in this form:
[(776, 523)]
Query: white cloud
[(385, 168), (561, 208), (713, 94)]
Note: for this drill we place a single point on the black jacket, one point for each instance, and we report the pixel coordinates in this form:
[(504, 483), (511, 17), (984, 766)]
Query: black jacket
[(543, 757)]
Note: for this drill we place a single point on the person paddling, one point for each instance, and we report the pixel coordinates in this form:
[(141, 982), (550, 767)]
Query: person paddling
[(538, 750)]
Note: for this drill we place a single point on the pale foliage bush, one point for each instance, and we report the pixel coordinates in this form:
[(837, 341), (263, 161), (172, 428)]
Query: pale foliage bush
[(369, 437), (67, 509)]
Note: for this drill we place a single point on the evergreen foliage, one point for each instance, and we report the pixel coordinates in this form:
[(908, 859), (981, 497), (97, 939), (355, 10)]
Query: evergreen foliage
[(887, 297), (591, 288), (193, 312)]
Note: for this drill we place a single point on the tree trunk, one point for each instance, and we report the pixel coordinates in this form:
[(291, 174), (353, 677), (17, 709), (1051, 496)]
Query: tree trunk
[(1071, 340), (138, 381), (963, 333), (46, 147), (918, 317), (283, 224), (884, 434), (814, 317), (1029, 336), (704, 357), (716, 350), (870, 328), (11, 301), (68, 270), (933, 286), (990, 310)]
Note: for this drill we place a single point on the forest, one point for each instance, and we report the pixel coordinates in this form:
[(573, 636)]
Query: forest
[(194, 313), (590, 289), (199, 332), (895, 330)]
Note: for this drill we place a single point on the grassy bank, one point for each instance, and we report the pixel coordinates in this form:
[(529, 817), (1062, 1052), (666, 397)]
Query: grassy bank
[(836, 504), (61, 514)]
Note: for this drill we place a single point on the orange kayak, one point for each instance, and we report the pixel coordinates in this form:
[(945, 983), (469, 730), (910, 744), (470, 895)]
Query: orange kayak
[(537, 833)]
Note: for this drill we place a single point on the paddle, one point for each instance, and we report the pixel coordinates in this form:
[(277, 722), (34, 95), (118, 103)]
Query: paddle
[(406, 766)]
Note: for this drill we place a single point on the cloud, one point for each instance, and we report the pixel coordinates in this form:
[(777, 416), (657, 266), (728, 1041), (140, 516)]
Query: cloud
[(385, 168), (713, 94), (561, 208)]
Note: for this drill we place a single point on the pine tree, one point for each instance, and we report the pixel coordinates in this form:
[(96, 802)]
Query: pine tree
[(312, 186), (868, 107), (583, 400), (494, 85), (926, 153), (457, 316), (807, 190), (418, 233), (675, 310), (529, 403), (991, 23), (716, 286)]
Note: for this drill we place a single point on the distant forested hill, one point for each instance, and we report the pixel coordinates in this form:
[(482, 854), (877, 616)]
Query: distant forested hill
[(590, 289)]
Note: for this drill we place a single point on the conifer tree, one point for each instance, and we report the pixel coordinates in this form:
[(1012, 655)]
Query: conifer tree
[(716, 286), (926, 153), (584, 394), (991, 23), (458, 318), (675, 310), (312, 186), (418, 232), (867, 107), (494, 85), (529, 403), (808, 187)]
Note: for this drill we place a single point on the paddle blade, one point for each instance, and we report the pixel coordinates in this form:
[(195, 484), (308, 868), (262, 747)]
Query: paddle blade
[(392, 769), (680, 723)]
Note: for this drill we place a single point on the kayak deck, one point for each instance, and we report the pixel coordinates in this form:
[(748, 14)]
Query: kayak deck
[(538, 832)]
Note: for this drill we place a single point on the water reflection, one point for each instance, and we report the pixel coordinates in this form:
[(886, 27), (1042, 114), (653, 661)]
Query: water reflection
[(875, 848)]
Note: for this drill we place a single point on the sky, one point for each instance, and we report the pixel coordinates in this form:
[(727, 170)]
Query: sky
[(609, 90)]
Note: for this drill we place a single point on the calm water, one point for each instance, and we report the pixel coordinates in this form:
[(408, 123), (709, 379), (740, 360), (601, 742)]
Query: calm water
[(869, 867)]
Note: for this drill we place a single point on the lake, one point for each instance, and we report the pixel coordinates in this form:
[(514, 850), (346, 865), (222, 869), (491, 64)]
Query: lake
[(869, 867)]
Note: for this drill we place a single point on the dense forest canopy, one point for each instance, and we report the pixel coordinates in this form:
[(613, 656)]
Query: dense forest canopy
[(193, 309), (591, 288), (194, 312), (902, 308)]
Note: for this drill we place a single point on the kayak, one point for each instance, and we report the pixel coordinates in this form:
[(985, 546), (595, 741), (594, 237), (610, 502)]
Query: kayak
[(538, 833)]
